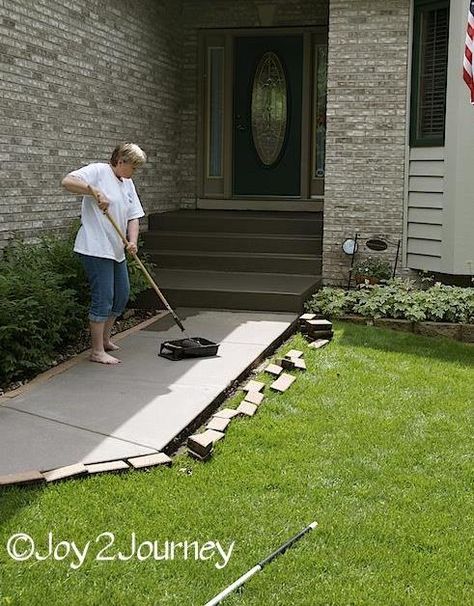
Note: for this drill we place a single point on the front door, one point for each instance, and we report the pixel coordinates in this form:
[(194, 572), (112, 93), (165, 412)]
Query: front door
[(262, 118), (268, 76)]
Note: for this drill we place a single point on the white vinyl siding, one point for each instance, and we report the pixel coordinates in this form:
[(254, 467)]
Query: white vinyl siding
[(425, 208), (439, 217)]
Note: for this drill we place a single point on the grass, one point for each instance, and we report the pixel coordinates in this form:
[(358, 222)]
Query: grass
[(374, 442)]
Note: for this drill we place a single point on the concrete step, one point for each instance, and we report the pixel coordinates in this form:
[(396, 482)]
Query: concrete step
[(256, 222), (232, 242), (237, 261), (233, 290)]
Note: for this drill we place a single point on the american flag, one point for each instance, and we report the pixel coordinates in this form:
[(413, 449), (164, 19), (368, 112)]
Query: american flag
[(468, 71)]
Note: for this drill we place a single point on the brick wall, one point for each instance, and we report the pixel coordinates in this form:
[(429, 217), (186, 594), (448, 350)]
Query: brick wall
[(225, 14), (366, 125), (76, 78)]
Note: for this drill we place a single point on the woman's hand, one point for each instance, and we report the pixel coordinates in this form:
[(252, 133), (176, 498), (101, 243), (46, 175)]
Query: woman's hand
[(102, 201), (132, 236), (132, 248)]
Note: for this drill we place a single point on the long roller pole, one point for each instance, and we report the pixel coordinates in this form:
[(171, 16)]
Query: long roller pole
[(245, 577), (140, 264)]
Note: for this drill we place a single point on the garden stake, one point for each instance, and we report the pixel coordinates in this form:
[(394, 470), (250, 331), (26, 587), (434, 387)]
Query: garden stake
[(354, 250), (140, 265), (245, 577)]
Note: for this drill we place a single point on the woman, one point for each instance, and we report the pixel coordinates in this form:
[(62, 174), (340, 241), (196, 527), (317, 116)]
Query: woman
[(97, 243)]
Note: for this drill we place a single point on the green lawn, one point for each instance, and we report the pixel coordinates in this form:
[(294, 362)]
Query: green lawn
[(374, 442)]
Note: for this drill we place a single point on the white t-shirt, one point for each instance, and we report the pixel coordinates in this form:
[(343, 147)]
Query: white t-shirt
[(97, 236)]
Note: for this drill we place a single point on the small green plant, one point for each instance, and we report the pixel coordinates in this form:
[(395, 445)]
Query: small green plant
[(373, 269), (333, 302), (398, 298), (444, 303)]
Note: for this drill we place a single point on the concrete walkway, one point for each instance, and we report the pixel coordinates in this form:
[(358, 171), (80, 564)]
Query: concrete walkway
[(88, 413)]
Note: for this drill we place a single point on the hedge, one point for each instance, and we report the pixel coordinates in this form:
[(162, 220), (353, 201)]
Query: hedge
[(44, 298)]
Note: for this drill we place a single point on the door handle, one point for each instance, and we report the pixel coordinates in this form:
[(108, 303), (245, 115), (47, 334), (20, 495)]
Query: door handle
[(239, 125)]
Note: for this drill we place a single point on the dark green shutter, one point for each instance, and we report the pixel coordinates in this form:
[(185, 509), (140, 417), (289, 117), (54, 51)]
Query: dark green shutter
[(429, 75)]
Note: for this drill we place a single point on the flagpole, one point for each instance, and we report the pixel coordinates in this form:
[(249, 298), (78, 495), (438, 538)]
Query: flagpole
[(468, 72)]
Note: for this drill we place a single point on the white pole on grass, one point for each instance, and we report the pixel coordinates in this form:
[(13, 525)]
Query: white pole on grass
[(245, 577)]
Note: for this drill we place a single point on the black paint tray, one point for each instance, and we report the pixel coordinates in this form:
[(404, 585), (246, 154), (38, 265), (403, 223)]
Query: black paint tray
[(196, 347)]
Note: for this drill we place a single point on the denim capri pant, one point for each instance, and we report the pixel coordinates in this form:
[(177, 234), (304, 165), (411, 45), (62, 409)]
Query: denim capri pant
[(110, 286)]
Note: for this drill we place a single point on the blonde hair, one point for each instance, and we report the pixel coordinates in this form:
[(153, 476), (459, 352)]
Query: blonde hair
[(128, 152)]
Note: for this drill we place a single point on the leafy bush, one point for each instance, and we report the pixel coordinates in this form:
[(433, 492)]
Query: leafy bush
[(138, 282), (332, 302), (397, 299), (373, 267), (45, 301), (35, 317), (449, 303), (51, 255)]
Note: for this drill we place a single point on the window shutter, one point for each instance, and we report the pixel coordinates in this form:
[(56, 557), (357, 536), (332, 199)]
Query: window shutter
[(429, 78), (434, 61)]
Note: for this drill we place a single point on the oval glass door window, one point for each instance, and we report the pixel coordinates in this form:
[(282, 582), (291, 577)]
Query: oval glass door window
[(269, 109)]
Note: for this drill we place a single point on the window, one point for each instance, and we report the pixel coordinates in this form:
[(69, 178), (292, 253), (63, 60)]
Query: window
[(320, 101), (215, 71), (213, 81), (429, 72), (320, 77)]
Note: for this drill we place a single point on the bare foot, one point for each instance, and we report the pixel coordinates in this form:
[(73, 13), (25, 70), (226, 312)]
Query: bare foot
[(111, 346), (103, 358)]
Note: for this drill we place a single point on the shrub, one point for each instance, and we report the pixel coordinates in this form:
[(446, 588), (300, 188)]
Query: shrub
[(37, 316), (449, 303), (372, 268), (397, 299), (138, 282), (45, 300), (332, 302)]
